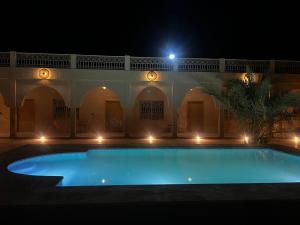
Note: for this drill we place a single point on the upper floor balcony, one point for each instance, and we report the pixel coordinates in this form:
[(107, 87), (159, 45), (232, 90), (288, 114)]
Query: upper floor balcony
[(101, 62)]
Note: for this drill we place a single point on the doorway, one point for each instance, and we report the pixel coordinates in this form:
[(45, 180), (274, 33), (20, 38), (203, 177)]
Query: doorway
[(113, 116), (195, 114), (26, 116)]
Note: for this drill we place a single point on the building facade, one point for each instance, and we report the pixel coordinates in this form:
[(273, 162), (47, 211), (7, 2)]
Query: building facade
[(61, 95)]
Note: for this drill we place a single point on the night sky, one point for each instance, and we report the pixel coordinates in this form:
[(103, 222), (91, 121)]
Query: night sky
[(212, 29)]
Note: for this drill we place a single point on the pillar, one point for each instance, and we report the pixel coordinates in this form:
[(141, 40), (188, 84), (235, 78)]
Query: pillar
[(13, 108), (73, 122), (12, 94), (174, 123), (126, 123), (127, 62), (222, 65), (73, 63), (221, 122)]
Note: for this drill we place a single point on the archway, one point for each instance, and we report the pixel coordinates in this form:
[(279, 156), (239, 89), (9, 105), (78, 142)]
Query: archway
[(100, 112), (4, 118), (43, 112), (288, 128), (151, 113), (198, 114)]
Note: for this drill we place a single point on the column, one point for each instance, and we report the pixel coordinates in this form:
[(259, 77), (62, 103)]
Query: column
[(222, 65), (174, 123), (127, 62), (12, 95), (73, 122), (126, 125), (221, 122), (73, 63)]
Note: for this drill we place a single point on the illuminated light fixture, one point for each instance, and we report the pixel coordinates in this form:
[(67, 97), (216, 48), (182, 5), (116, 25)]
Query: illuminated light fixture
[(44, 74), (246, 139), (191, 89), (245, 80), (103, 181), (151, 76), (100, 139), (103, 88), (171, 56), (190, 179), (42, 138), (150, 139), (198, 139), (296, 139)]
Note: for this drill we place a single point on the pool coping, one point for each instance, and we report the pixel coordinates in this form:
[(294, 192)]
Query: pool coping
[(38, 190)]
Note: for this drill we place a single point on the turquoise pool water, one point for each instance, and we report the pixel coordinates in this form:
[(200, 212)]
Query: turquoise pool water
[(164, 166)]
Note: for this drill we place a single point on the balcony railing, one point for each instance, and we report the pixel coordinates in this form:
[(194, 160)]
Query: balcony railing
[(198, 65), (4, 59), (43, 60), (240, 66), (291, 67), (150, 63), (100, 62)]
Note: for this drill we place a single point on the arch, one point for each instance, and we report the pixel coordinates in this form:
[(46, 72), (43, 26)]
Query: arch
[(43, 112), (198, 113), (151, 113), (24, 91), (285, 128), (4, 118), (100, 111), (85, 87)]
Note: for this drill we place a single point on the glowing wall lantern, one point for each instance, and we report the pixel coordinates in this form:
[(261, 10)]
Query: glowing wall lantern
[(151, 76), (44, 74)]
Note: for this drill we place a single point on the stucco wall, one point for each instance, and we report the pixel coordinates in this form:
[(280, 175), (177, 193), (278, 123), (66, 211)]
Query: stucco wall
[(145, 126), (4, 118), (210, 111), (92, 110), (44, 121)]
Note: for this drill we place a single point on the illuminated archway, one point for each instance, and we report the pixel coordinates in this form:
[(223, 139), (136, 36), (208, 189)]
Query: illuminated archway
[(151, 113), (4, 118), (43, 112), (198, 114), (100, 112)]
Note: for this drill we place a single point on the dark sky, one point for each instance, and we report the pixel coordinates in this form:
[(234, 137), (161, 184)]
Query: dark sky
[(243, 29)]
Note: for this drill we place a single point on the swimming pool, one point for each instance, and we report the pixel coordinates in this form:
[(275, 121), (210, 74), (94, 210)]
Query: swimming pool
[(163, 166)]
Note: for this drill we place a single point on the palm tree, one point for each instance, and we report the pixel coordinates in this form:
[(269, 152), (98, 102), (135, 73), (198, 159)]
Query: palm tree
[(254, 105)]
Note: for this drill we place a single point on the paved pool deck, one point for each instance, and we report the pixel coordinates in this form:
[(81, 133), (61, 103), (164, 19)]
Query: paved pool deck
[(7, 144)]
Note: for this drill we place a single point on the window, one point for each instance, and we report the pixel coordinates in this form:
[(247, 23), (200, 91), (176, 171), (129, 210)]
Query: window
[(151, 110), (60, 110)]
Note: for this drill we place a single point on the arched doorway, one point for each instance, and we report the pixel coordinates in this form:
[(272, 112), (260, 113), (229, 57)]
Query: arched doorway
[(4, 118), (198, 115), (100, 112), (290, 127), (151, 114), (43, 112)]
